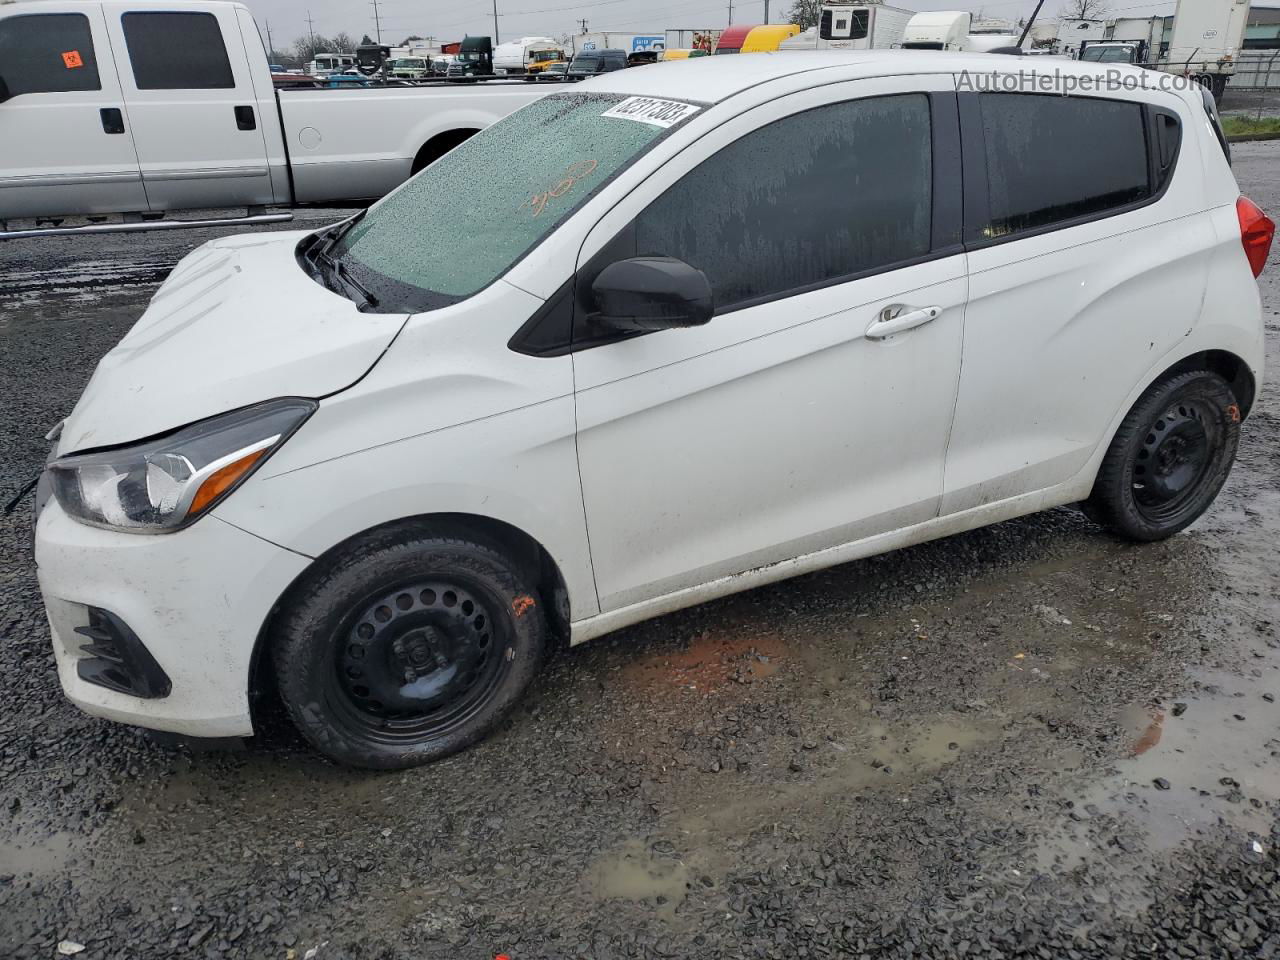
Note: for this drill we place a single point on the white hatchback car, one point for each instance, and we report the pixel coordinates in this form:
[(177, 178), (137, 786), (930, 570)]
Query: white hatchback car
[(696, 328)]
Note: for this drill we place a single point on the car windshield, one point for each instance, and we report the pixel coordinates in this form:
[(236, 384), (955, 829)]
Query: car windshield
[(588, 64), (466, 219), (1107, 55)]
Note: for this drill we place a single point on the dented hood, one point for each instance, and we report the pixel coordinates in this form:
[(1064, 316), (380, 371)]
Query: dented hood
[(237, 322)]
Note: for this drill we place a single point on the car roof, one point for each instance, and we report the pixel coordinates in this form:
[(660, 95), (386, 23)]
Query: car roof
[(713, 79)]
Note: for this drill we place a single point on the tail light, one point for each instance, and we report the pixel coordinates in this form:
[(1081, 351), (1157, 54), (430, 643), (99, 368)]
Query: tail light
[(1257, 230)]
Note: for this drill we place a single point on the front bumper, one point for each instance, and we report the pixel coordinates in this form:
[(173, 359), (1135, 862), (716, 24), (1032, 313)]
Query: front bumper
[(196, 600)]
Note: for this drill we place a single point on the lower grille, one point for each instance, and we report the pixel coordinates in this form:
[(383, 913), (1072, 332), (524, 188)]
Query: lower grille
[(116, 659)]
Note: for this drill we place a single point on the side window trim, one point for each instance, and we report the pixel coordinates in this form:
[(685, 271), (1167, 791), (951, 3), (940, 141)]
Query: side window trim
[(569, 327), (977, 202)]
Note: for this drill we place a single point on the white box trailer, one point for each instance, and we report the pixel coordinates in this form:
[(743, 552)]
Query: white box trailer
[(845, 26), (1206, 40), (1072, 33), (686, 38), (515, 57), (629, 42), (953, 30), (1152, 31), (938, 30)]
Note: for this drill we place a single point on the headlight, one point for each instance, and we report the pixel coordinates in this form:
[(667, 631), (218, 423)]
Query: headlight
[(164, 484)]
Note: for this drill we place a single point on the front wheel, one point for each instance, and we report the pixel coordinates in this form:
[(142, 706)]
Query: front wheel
[(407, 648), (1170, 457)]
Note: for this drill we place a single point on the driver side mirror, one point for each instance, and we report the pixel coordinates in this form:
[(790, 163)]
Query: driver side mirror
[(4, 90), (652, 293)]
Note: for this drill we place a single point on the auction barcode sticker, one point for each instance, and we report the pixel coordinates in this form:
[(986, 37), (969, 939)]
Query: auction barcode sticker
[(659, 113)]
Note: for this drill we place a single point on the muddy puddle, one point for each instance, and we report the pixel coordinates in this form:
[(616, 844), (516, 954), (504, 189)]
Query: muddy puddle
[(25, 856), (710, 661), (646, 873)]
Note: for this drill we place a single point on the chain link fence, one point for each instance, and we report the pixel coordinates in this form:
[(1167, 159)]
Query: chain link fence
[(1257, 70)]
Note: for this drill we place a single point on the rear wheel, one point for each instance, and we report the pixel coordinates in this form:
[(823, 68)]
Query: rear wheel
[(1169, 459), (407, 648)]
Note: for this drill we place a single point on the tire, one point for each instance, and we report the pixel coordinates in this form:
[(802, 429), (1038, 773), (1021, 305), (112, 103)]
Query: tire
[(1169, 459), (407, 648)]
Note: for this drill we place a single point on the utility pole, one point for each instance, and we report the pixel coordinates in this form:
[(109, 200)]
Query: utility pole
[(377, 22), (766, 11), (271, 50), (495, 22), (1030, 23), (311, 32), (731, 12), (584, 25)]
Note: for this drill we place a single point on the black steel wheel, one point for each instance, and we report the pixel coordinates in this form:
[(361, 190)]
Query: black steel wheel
[(1170, 457), (418, 661), (1173, 459), (403, 648)]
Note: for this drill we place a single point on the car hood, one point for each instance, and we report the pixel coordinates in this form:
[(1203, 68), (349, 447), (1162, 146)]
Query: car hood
[(237, 322)]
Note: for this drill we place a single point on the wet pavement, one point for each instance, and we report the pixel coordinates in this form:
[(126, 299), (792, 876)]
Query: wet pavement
[(1029, 740)]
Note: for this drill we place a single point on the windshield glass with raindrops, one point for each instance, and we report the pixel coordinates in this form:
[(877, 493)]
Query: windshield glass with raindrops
[(465, 220)]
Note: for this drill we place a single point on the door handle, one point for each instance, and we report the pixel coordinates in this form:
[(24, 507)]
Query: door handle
[(245, 119), (899, 318), (112, 120)]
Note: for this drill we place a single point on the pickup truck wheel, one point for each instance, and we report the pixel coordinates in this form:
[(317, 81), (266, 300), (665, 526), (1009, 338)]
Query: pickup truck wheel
[(406, 649), (1169, 459)]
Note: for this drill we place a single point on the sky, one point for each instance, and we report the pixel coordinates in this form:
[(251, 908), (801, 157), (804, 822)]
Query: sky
[(451, 20)]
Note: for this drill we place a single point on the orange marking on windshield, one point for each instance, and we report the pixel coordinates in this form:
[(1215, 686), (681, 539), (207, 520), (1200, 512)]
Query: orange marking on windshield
[(575, 172)]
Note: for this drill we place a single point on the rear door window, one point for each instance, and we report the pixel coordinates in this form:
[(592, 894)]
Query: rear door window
[(805, 201), (177, 51), (1053, 159), (47, 53)]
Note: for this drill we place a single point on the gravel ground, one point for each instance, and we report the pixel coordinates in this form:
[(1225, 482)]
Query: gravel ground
[(1251, 103), (1027, 741)]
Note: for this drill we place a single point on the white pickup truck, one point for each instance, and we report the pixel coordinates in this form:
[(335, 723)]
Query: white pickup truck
[(126, 111)]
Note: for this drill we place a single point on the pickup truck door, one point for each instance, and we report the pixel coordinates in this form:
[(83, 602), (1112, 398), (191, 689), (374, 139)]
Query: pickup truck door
[(197, 122), (65, 142)]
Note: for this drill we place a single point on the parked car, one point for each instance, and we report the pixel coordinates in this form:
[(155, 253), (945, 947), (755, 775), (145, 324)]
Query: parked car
[(409, 68), (346, 80), (590, 63), (554, 70), (175, 110), (292, 81), (370, 456)]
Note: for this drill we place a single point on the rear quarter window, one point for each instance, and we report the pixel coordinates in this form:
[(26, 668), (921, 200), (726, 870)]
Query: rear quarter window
[(1053, 159)]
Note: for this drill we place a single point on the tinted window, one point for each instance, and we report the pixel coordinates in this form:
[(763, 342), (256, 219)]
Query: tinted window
[(1052, 158), (47, 53), (803, 201), (177, 51), (861, 25)]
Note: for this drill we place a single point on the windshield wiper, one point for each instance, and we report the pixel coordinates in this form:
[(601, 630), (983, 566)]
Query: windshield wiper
[(334, 272), (343, 275)]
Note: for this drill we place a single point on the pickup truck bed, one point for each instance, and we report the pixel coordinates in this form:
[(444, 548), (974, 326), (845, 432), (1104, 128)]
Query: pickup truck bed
[(147, 107), (364, 142)]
